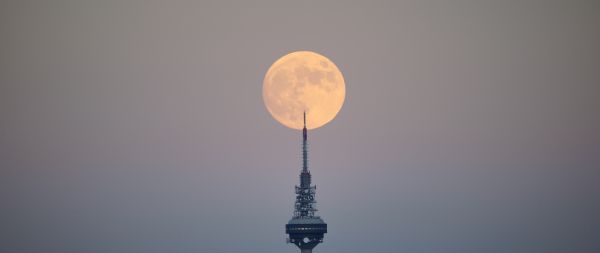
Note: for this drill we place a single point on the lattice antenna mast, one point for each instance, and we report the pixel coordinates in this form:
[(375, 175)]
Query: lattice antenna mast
[(305, 193)]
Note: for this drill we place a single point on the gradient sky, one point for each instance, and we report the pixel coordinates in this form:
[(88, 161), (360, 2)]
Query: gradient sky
[(139, 126)]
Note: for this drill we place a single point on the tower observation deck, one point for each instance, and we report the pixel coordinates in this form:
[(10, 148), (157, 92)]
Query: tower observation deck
[(305, 230)]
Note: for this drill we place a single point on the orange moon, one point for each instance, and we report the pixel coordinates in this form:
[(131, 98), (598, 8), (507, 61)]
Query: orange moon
[(304, 81)]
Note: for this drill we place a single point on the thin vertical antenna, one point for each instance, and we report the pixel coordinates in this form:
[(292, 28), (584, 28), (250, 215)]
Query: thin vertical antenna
[(304, 146), (304, 132)]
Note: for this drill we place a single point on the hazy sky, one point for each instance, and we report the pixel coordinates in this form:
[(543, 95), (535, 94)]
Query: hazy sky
[(139, 126)]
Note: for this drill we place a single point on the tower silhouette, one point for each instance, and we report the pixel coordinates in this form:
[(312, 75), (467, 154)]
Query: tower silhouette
[(305, 230)]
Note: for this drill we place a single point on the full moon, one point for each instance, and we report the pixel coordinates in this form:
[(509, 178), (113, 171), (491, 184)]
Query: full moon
[(301, 82)]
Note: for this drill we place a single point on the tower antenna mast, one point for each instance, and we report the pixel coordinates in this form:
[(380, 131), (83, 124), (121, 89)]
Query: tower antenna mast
[(305, 230)]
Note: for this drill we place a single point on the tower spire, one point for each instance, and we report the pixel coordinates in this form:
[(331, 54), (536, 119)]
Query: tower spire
[(304, 146), (304, 119), (304, 132)]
